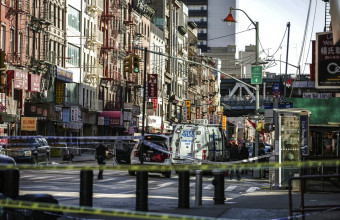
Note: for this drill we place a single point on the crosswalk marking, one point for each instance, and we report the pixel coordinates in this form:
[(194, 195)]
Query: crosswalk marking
[(165, 184), (230, 188), (252, 189), (192, 185), (126, 181), (209, 187)]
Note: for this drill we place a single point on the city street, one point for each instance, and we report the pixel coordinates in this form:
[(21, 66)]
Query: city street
[(118, 188)]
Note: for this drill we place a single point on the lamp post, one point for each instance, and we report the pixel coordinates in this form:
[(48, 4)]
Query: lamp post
[(229, 19)]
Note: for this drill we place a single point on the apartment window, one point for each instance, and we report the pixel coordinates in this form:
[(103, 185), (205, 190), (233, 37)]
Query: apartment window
[(73, 16), (73, 53), (20, 43), (3, 36), (11, 43), (12, 3), (27, 41)]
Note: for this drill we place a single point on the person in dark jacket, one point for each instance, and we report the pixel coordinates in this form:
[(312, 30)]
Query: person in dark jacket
[(234, 156), (261, 152), (100, 155), (244, 154)]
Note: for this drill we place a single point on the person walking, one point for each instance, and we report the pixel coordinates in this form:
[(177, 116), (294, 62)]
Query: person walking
[(244, 154), (261, 152), (101, 156), (234, 156)]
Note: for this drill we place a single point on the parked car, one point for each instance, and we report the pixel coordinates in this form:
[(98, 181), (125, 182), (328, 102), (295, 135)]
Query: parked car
[(6, 159), (32, 150), (150, 154)]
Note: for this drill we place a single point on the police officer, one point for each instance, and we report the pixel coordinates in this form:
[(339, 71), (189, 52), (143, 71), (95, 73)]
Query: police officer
[(101, 155)]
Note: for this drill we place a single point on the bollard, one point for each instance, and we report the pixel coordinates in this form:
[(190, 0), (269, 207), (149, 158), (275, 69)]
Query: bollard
[(142, 191), (198, 189), (218, 183), (86, 188), (183, 189), (11, 185)]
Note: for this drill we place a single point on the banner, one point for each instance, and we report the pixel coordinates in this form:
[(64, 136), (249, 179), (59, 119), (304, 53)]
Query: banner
[(152, 86)]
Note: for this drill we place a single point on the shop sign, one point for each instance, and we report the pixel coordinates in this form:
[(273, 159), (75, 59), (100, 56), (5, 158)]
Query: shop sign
[(154, 101), (20, 79), (185, 115), (100, 120), (59, 92), (198, 113), (74, 114), (28, 123), (34, 83), (149, 105), (66, 114), (327, 73), (188, 113), (135, 110), (152, 86), (187, 103), (64, 75)]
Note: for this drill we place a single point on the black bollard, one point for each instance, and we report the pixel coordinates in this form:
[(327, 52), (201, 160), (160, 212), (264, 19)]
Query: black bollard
[(183, 189), (86, 188), (11, 185), (218, 183), (142, 191)]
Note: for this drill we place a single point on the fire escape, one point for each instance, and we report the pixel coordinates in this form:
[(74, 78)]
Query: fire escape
[(94, 40), (16, 54), (38, 24), (111, 52)]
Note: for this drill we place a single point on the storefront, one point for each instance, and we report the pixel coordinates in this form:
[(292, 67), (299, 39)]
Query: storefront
[(110, 123)]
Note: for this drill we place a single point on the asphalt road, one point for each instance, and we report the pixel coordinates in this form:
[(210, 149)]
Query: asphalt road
[(118, 188)]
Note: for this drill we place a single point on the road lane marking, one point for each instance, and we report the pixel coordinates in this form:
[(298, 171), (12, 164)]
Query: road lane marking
[(209, 187), (230, 188)]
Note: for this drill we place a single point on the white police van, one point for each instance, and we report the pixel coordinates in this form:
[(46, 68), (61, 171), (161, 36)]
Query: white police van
[(198, 143)]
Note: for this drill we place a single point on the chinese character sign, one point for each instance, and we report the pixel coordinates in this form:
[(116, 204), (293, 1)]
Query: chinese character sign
[(327, 62), (152, 86)]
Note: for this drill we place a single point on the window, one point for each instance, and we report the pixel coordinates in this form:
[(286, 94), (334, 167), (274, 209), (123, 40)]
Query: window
[(20, 44), (11, 44), (73, 16), (73, 55), (3, 36), (27, 41)]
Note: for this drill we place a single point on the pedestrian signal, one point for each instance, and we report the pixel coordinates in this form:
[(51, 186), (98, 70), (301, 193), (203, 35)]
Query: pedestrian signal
[(136, 64), (128, 64)]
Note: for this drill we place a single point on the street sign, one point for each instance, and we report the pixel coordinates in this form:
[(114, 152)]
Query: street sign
[(276, 88), (256, 75)]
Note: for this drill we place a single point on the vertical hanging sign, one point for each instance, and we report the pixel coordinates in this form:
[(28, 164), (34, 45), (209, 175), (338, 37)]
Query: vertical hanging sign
[(188, 105), (152, 86), (198, 113)]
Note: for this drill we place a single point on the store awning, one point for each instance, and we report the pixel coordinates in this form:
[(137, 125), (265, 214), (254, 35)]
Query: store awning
[(110, 118)]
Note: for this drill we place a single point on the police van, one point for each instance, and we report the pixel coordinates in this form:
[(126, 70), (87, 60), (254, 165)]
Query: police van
[(199, 143)]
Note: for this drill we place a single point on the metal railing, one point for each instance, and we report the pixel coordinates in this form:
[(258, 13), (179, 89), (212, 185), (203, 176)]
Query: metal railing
[(308, 208)]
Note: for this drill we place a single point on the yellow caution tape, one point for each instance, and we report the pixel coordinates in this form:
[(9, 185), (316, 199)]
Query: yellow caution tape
[(163, 168), (55, 208)]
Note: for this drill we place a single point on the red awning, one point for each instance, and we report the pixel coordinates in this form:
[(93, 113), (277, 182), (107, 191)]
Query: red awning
[(110, 114)]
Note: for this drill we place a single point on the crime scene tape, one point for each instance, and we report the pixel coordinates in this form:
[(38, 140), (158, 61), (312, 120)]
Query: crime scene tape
[(180, 167), (76, 138), (42, 206)]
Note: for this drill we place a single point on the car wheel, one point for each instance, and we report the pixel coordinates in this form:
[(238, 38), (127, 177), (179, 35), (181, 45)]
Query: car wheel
[(167, 174), (132, 173)]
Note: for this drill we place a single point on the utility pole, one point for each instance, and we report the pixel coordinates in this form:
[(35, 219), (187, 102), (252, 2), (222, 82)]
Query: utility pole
[(285, 79)]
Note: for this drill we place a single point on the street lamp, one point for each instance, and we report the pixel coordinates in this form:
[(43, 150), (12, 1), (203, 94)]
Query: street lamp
[(229, 19)]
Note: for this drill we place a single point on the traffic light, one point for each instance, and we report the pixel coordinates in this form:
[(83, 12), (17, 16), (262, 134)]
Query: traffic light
[(136, 64), (128, 64), (2, 59)]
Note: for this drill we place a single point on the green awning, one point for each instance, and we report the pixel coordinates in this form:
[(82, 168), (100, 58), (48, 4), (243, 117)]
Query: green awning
[(323, 111)]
